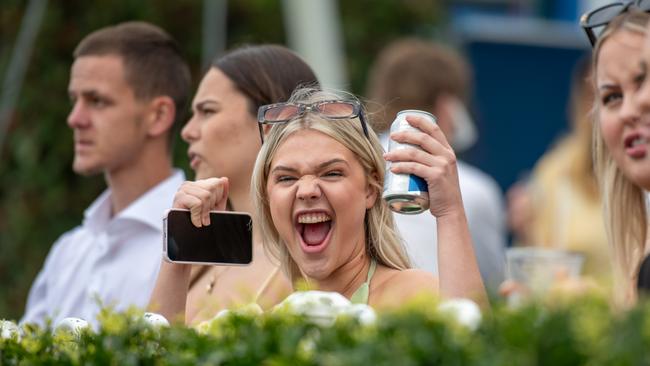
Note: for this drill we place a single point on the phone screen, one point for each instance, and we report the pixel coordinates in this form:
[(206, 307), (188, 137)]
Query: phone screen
[(227, 240)]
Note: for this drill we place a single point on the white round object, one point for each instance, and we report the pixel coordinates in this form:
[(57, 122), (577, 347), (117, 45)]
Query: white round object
[(310, 301), (155, 320), (464, 311), (71, 325), (9, 329), (362, 312), (321, 307)]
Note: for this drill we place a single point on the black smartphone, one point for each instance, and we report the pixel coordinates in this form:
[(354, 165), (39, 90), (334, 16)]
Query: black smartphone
[(227, 240)]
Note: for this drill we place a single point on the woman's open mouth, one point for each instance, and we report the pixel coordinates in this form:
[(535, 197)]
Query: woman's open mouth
[(314, 229), (195, 160), (636, 146)]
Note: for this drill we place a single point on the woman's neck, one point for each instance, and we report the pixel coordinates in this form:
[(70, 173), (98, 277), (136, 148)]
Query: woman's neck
[(240, 197), (347, 278)]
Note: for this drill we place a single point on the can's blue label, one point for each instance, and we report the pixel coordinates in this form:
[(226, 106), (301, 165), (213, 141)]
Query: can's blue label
[(405, 193), (417, 184)]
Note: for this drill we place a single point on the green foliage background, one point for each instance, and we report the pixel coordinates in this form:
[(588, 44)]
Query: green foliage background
[(40, 197)]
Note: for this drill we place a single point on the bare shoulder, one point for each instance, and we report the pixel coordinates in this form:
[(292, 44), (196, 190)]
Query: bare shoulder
[(395, 287), (413, 278)]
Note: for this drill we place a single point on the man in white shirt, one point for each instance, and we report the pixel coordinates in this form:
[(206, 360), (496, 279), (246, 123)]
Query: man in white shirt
[(128, 86), (418, 74)]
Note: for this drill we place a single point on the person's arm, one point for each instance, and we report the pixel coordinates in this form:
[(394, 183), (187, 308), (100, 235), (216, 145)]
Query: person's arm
[(458, 271), (170, 293), (435, 162)]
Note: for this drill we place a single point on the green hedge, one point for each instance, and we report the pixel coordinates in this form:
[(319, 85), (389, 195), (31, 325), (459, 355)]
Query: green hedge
[(582, 332)]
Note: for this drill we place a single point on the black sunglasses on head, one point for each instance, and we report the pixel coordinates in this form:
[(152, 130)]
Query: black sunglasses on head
[(601, 16), (279, 113)]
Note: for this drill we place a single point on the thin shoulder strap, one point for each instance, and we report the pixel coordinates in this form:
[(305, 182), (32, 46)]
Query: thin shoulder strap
[(266, 286), (360, 296)]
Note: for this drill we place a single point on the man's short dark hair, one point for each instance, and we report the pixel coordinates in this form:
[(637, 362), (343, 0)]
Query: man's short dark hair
[(412, 74), (153, 64)]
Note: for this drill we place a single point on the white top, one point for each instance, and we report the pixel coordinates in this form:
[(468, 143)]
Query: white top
[(105, 261), (485, 210)]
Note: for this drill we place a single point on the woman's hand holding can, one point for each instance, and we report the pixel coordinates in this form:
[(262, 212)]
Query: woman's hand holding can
[(434, 161)]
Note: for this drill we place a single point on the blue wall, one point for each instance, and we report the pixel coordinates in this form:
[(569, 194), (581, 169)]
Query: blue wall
[(520, 104)]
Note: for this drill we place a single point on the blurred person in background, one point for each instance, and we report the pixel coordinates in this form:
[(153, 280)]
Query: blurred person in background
[(418, 74), (128, 87), (621, 139), (224, 140), (559, 205)]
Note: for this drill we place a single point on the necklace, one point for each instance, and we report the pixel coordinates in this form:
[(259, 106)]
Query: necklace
[(213, 274), (210, 285)]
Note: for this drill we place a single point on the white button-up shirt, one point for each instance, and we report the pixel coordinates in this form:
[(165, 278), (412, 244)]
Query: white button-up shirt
[(107, 261)]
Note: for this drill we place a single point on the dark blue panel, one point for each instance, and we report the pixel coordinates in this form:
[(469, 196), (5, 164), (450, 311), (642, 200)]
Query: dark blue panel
[(520, 102)]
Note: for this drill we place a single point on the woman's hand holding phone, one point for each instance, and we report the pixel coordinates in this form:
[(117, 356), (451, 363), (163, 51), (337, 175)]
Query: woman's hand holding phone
[(201, 197), (198, 230)]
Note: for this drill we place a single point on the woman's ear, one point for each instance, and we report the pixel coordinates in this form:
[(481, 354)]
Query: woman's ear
[(372, 194), (161, 115)]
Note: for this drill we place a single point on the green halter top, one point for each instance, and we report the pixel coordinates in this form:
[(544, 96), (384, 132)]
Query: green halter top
[(360, 296)]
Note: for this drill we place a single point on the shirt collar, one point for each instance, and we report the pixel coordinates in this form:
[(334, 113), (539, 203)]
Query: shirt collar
[(147, 209), (98, 214)]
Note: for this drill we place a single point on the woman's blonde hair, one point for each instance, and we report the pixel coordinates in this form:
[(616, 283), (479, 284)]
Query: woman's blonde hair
[(624, 204), (383, 243)]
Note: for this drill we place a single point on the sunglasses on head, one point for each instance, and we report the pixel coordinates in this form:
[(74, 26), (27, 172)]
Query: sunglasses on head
[(331, 109), (600, 17)]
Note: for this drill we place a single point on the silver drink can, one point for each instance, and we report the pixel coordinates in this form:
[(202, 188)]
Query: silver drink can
[(405, 193)]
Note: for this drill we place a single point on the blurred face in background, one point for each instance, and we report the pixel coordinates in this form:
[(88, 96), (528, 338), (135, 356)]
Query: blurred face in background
[(638, 169), (619, 77), (222, 133), (106, 118)]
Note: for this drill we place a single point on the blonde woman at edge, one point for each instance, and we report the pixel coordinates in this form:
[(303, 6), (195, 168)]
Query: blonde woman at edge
[(622, 165), (317, 187)]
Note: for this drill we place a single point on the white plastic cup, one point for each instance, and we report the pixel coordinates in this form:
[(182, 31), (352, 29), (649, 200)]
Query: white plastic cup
[(538, 268)]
